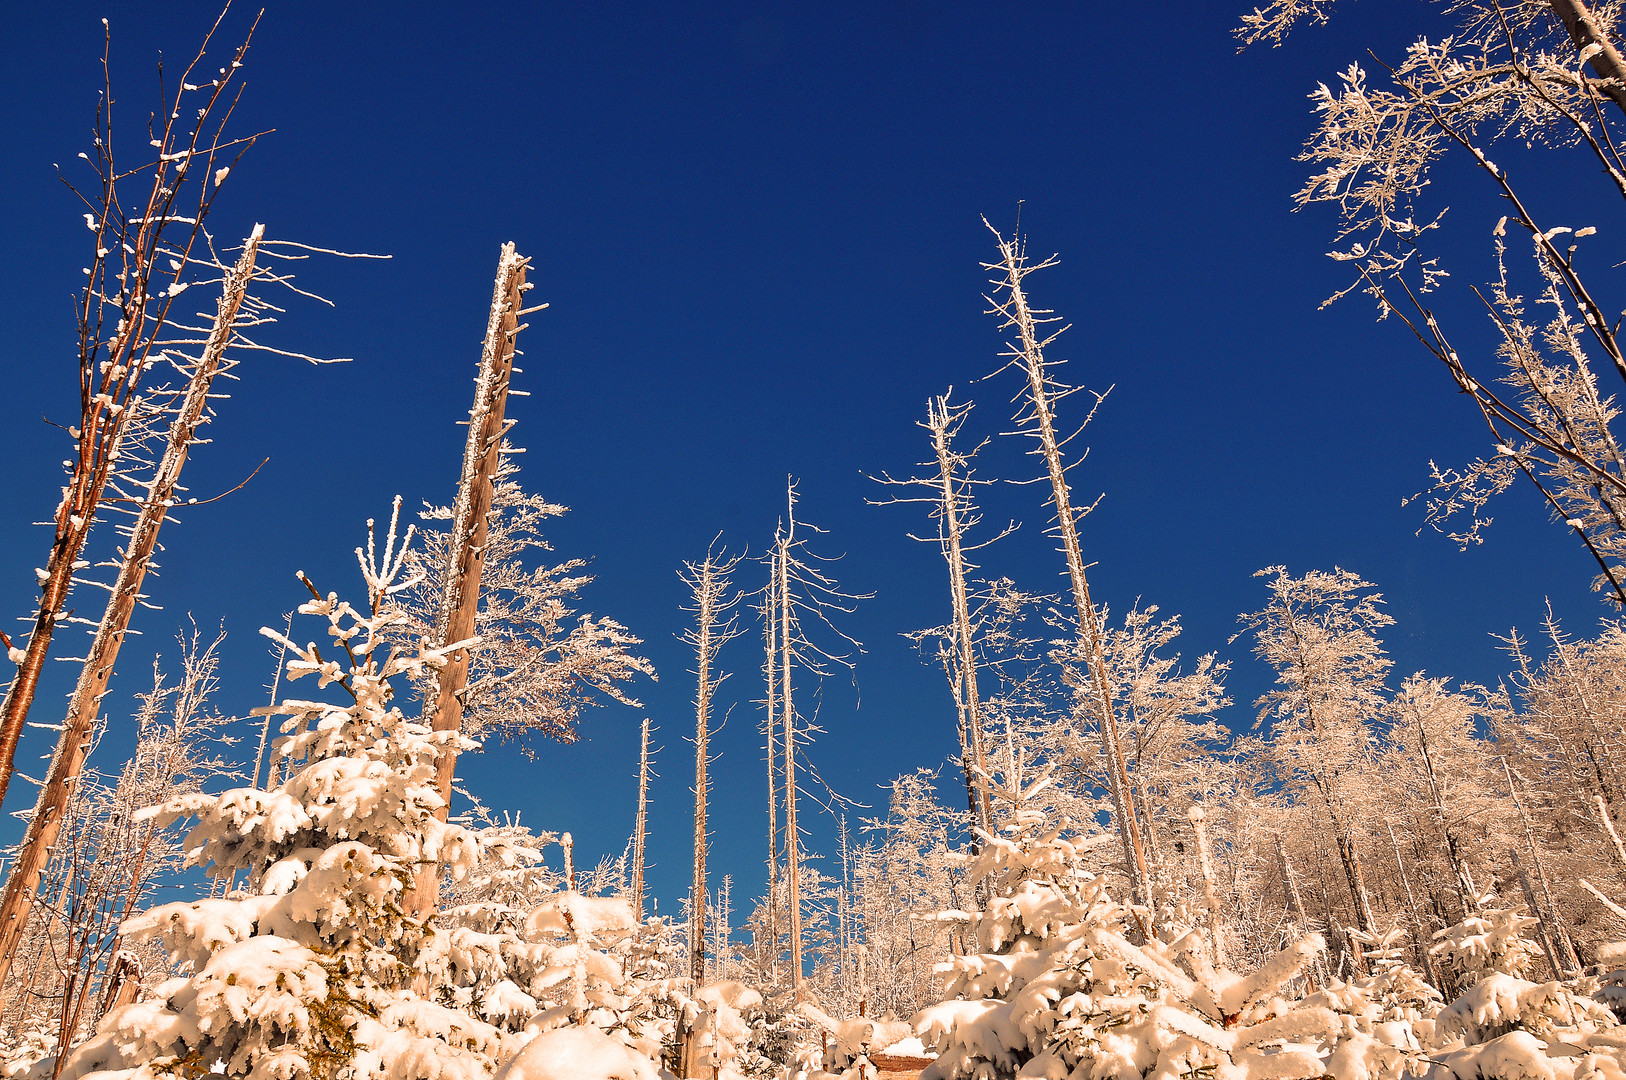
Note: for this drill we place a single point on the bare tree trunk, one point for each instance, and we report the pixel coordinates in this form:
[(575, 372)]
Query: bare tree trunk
[(124, 286), (74, 744), (793, 869), (771, 618), (697, 903), (1459, 866), (709, 582), (938, 422), (973, 805), (1029, 354), (1357, 880), (1543, 929), (1199, 822), (466, 550), (1585, 33), (640, 828), (1349, 858), (1416, 918), (1616, 848), (1565, 944), (1298, 902)]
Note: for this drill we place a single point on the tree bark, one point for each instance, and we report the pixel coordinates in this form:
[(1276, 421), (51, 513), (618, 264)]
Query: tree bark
[(1031, 357), (1584, 32), (949, 501), (771, 611), (466, 551), (793, 870), (640, 828)]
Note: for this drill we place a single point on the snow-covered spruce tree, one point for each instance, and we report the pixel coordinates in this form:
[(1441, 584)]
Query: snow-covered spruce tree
[(1503, 1027), (491, 967), (608, 999), (1065, 984), (307, 972)]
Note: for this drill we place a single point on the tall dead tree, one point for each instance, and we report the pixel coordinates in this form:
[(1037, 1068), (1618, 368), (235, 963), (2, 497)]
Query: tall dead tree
[(146, 251), (800, 588), (714, 626), (640, 827), (770, 669), (955, 513), (77, 729), (1026, 354), (466, 551), (787, 710)]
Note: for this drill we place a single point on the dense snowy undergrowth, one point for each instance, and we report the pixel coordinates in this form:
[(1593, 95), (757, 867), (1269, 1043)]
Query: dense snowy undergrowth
[(311, 966)]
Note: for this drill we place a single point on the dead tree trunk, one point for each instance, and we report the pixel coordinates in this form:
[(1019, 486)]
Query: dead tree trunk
[(1028, 354), (83, 708), (125, 288), (770, 611), (640, 828), (793, 872), (466, 550), (709, 583), (939, 421), (1199, 823)]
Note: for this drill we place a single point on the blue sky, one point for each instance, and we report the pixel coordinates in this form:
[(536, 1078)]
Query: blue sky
[(759, 230)]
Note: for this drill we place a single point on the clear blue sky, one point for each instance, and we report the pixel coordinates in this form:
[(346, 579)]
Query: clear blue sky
[(758, 227)]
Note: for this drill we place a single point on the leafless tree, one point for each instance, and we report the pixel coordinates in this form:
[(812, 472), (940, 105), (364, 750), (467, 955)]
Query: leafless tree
[(800, 591), (110, 855), (715, 624), (1508, 76), (1026, 354), (146, 250), (955, 512)]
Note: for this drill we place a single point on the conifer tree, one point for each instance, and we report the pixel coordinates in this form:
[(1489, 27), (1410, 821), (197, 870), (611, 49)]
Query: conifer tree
[(308, 971)]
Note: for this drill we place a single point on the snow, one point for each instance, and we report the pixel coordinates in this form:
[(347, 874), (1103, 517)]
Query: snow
[(910, 1047), (576, 1054)]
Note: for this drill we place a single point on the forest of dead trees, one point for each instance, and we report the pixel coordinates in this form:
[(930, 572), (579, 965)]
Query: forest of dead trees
[(1113, 876)]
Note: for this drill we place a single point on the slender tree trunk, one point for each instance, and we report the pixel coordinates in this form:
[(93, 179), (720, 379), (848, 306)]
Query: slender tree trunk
[(973, 805), (1144, 796), (640, 828), (1566, 945), (1459, 866), (1199, 822), (709, 581), (1292, 887), (771, 613), (1416, 918), (1091, 648), (466, 550), (949, 504), (1616, 848), (1350, 859), (793, 867), (1542, 928), (74, 744), (1298, 903)]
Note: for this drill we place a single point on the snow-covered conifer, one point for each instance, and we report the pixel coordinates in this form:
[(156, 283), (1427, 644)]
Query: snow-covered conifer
[(308, 971), (1066, 982), (1503, 1027)]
